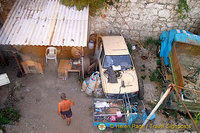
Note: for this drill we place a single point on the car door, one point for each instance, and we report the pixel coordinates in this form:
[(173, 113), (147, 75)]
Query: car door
[(101, 57)]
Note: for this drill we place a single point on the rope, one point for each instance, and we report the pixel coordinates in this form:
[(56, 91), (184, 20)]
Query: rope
[(138, 40), (186, 88), (129, 27)]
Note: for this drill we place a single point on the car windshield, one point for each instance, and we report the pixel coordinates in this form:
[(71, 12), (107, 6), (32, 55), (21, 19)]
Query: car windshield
[(116, 60)]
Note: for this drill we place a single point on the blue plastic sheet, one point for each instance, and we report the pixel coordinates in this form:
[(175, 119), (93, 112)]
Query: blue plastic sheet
[(169, 37)]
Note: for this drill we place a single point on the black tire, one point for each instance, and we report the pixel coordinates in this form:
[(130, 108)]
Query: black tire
[(189, 94), (141, 89)]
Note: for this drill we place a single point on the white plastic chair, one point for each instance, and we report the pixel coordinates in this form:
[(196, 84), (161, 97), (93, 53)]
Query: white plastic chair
[(51, 53)]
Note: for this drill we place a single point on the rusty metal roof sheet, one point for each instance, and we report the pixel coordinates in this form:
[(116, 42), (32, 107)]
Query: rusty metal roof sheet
[(45, 22)]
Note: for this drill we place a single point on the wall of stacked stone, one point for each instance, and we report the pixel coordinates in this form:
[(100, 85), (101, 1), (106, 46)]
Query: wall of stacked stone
[(146, 18)]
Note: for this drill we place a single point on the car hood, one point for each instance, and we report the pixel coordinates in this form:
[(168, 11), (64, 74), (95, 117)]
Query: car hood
[(130, 83)]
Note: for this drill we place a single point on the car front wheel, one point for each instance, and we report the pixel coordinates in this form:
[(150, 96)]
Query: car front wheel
[(141, 89)]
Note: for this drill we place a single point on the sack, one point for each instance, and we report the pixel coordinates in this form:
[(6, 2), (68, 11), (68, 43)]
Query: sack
[(98, 83), (84, 85), (92, 80), (88, 91)]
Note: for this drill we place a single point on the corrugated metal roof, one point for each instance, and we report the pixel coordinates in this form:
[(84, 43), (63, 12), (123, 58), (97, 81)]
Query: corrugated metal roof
[(45, 22)]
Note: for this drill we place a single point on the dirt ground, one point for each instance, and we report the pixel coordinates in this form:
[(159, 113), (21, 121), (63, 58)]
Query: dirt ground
[(38, 96), (38, 100)]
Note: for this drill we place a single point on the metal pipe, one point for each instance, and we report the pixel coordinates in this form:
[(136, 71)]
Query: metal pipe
[(82, 63), (113, 114), (158, 105), (186, 109)]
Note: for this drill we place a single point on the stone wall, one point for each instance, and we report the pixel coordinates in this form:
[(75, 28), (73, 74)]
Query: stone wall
[(146, 18)]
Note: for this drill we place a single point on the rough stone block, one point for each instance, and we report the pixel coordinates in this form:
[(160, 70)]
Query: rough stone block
[(133, 1), (150, 5), (158, 6), (156, 29), (170, 7), (164, 13), (172, 24)]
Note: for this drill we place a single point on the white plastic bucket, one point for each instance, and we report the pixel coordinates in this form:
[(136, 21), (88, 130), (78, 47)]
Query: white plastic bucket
[(92, 80)]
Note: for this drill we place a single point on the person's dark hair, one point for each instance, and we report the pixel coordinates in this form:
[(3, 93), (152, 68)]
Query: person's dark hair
[(63, 96)]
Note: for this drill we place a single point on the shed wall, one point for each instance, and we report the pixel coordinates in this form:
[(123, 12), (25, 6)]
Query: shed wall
[(63, 52)]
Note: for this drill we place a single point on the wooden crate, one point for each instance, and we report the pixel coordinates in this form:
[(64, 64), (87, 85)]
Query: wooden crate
[(33, 66)]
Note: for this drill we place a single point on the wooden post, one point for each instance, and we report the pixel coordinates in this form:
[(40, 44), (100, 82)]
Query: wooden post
[(158, 104), (18, 63), (3, 59)]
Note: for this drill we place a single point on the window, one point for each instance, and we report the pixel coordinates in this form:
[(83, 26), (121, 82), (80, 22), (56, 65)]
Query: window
[(117, 60)]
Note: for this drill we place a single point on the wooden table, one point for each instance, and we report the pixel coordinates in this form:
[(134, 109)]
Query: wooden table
[(66, 66)]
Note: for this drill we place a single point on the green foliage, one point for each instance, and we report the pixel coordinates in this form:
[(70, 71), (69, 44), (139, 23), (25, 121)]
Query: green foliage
[(7, 115), (173, 113), (129, 48), (3, 129), (156, 76), (118, 130), (183, 8), (95, 5), (197, 118), (150, 40), (143, 77), (158, 62), (123, 130), (80, 79)]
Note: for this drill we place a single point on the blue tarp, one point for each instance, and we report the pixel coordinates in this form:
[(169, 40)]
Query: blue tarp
[(175, 35)]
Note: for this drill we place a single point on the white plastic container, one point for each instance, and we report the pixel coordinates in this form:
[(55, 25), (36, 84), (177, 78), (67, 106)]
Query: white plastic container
[(92, 80), (91, 45)]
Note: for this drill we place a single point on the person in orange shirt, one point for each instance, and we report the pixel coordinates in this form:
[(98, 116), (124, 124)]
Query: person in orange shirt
[(64, 108)]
